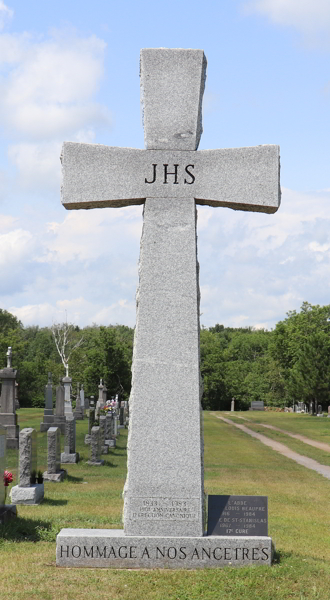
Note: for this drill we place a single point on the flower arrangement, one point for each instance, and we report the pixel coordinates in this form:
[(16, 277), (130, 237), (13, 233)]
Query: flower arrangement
[(7, 478)]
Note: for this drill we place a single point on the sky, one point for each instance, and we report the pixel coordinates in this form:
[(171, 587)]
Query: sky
[(69, 71)]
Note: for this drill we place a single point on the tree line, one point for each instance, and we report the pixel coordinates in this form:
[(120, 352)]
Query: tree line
[(291, 363)]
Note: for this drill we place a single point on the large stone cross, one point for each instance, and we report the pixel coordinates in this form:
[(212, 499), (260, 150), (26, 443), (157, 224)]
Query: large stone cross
[(164, 493)]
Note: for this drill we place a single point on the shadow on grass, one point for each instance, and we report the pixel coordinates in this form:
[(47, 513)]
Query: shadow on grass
[(53, 502), (108, 463), (73, 479), (24, 530), (279, 556)]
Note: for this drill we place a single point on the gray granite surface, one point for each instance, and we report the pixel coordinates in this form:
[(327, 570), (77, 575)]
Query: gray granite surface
[(3, 435), (27, 456), (27, 495), (111, 548), (53, 450), (239, 178)]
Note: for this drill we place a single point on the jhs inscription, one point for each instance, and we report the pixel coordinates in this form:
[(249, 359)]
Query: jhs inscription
[(164, 509), (174, 174)]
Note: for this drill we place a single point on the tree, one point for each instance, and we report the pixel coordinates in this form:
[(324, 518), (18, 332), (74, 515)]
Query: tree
[(65, 341)]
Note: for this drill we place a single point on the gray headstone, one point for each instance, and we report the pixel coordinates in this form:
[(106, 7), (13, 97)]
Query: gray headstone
[(91, 419), (54, 450), (95, 457), (164, 491), (82, 398), (54, 471), (70, 455), (67, 381), (48, 419), (27, 456), (232, 406), (8, 417), (3, 434), (26, 492)]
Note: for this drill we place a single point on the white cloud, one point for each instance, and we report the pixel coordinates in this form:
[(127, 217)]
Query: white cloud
[(309, 18), (47, 93), (5, 14), (49, 89), (38, 164)]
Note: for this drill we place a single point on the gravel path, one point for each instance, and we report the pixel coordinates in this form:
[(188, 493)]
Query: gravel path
[(309, 463), (297, 436)]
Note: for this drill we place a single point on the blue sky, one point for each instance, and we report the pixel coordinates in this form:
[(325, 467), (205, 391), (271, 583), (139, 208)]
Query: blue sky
[(70, 71)]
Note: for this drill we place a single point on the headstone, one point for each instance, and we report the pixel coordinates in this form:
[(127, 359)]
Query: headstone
[(121, 416), (28, 490), (95, 458), (232, 406), (48, 420), (116, 426), (328, 411), (238, 515), (78, 413), (54, 471), (59, 417), (70, 455), (110, 439), (86, 403), (164, 489), (82, 400), (102, 425), (319, 411), (17, 405), (311, 407), (91, 421), (257, 405), (104, 394), (6, 510), (67, 381), (3, 434), (99, 403), (8, 417)]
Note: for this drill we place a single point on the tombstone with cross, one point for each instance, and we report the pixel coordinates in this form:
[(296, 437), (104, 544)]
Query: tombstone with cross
[(164, 489), (8, 417)]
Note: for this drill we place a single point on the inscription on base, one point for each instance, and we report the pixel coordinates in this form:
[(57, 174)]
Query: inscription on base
[(238, 515), (164, 509)]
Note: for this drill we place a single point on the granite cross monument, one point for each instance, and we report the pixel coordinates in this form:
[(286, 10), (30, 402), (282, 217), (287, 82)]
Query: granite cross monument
[(164, 490)]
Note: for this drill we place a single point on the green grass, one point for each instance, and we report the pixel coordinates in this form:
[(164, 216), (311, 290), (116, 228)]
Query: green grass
[(314, 427), (299, 523)]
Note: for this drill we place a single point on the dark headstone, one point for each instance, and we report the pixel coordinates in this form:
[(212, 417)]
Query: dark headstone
[(237, 515), (257, 405)]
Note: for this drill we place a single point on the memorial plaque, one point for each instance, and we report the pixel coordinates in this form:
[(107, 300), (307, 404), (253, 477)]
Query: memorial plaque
[(237, 515)]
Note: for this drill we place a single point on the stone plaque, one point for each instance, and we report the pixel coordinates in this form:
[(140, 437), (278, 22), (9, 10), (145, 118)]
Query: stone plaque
[(164, 509), (238, 515)]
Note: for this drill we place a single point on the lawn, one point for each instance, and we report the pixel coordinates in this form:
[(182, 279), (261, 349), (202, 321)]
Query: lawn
[(299, 522)]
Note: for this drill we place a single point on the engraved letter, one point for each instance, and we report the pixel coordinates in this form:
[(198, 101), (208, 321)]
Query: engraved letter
[(79, 552), (125, 551), (154, 175), (190, 174), (63, 550), (166, 172), (89, 553)]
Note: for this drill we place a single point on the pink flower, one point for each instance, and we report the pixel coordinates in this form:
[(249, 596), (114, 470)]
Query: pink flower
[(7, 478)]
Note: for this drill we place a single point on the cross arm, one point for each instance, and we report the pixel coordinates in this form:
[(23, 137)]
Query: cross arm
[(243, 178)]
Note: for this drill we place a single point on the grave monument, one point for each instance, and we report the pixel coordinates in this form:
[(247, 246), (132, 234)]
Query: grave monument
[(164, 491), (6, 510), (48, 420), (8, 416), (28, 490)]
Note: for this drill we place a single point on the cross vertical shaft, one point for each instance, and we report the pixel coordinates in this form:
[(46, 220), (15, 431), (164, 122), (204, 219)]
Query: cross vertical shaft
[(164, 491)]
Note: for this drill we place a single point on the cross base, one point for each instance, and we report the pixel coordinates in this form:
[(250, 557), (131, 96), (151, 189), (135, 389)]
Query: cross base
[(110, 548)]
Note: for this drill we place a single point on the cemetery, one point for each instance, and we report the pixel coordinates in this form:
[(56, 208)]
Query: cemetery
[(194, 496)]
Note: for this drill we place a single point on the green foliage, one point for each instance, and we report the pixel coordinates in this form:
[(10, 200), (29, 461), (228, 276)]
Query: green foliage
[(280, 367)]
